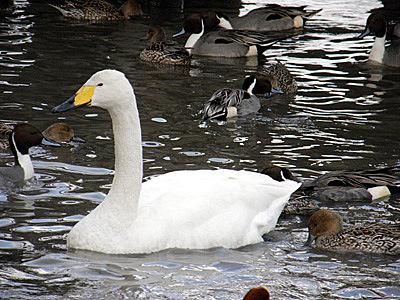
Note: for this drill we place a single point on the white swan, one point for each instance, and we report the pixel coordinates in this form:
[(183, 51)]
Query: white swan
[(181, 209)]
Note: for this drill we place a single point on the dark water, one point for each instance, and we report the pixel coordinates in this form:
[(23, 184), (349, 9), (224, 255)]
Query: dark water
[(345, 116)]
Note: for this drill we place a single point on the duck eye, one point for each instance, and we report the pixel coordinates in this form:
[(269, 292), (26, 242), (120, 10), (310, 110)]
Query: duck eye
[(100, 84)]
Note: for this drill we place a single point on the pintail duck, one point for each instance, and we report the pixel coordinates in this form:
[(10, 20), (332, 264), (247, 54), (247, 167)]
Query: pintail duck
[(196, 209), (326, 229), (224, 43), (258, 293), (280, 78), (344, 185), (272, 17), (159, 52), (384, 28), (99, 10), (22, 137), (355, 185), (57, 133), (227, 103)]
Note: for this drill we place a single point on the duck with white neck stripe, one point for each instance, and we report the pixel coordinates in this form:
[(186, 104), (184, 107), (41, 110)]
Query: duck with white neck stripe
[(23, 137), (384, 29), (227, 103), (224, 43)]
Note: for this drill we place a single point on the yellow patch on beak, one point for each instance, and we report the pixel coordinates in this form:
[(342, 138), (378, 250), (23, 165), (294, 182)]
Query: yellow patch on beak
[(84, 95)]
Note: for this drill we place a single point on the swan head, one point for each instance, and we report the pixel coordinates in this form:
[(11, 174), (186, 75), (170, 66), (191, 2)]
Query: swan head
[(105, 89)]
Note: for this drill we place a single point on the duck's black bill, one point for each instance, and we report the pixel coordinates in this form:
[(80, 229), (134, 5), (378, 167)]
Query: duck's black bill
[(50, 143), (78, 139), (179, 33), (310, 239), (365, 33)]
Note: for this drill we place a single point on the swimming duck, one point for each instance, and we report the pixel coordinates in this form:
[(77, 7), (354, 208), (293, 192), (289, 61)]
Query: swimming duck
[(158, 52), (280, 78), (355, 185), (272, 17), (378, 25), (22, 137), (227, 103), (57, 132), (98, 10), (258, 293), (326, 229), (195, 209), (344, 185), (224, 43)]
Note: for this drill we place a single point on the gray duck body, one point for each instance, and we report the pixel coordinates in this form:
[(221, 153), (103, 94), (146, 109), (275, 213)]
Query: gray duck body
[(226, 103), (272, 17)]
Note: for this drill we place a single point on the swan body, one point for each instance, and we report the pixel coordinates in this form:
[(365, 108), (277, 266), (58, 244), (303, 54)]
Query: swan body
[(183, 209)]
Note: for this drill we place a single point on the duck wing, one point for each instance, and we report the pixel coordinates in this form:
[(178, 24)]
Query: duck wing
[(216, 106), (386, 176)]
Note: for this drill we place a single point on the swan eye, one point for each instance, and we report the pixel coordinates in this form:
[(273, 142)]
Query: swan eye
[(100, 84)]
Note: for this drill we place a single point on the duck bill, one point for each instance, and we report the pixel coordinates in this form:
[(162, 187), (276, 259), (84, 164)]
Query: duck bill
[(310, 240), (50, 143), (78, 139), (179, 33), (276, 91), (365, 33), (83, 97)]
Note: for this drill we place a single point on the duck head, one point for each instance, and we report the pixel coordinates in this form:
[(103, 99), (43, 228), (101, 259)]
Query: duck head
[(213, 19), (323, 222), (192, 24), (130, 8), (258, 86), (105, 89), (279, 173), (258, 293), (376, 24), (156, 34), (23, 137)]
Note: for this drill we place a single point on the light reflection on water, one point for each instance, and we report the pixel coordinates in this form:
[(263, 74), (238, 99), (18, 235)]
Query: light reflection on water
[(344, 116)]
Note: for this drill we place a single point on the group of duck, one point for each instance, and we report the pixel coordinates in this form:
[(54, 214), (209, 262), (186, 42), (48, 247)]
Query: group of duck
[(213, 208)]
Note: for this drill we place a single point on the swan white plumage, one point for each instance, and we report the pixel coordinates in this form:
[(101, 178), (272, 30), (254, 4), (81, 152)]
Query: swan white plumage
[(183, 209)]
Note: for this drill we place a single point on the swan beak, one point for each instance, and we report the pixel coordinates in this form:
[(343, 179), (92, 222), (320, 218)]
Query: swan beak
[(179, 33), (365, 33), (310, 240), (81, 98)]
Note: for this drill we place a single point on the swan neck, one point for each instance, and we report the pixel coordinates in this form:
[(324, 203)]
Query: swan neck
[(128, 176)]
